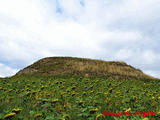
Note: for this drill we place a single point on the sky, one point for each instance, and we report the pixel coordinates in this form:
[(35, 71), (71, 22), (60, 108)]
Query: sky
[(111, 30)]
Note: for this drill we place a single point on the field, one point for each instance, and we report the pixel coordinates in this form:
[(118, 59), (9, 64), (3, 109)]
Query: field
[(37, 97), (63, 88)]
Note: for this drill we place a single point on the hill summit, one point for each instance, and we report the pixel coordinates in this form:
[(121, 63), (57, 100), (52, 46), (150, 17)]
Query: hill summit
[(85, 67)]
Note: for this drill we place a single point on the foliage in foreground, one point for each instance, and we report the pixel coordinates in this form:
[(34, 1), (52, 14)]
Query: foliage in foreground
[(36, 97)]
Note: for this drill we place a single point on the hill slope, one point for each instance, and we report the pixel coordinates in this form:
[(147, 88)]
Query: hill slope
[(85, 67), (78, 89)]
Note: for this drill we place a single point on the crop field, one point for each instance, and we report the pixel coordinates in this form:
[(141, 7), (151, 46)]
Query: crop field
[(40, 97)]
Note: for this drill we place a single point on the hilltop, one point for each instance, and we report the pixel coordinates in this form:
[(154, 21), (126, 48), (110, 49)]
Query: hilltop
[(85, 67)]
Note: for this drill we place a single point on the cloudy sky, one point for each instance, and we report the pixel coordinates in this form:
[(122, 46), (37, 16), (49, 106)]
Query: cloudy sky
[(118, 30)]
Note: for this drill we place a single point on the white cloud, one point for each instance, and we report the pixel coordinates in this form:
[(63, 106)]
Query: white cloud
[(153, 73), (6, 70), (30, 30)]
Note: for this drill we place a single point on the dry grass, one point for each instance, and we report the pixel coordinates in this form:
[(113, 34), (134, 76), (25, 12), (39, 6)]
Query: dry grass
[(81, 66)]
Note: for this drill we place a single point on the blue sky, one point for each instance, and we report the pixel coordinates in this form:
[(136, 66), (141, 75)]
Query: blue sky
[(123, 30)]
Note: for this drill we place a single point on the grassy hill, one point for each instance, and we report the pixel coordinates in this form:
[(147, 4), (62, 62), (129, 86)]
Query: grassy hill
[(65, 88), (84, 67)]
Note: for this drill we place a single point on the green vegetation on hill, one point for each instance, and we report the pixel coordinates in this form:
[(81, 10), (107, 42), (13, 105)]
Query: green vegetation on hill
[(81, 66), (39, 92)]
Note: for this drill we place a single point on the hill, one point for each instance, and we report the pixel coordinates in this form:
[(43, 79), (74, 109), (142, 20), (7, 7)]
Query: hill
[(85, 67), (65, 88)]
